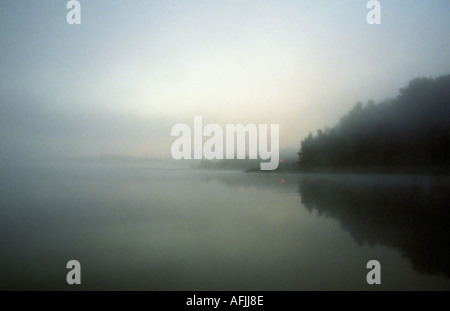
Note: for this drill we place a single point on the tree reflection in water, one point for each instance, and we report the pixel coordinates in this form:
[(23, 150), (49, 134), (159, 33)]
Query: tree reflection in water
[(410, 213)]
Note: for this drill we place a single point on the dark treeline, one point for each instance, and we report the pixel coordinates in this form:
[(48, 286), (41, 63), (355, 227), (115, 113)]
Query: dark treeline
[(410, 214), (412, 130)]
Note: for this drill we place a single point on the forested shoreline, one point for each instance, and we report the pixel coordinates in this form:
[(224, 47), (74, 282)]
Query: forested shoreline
[(411, 132)]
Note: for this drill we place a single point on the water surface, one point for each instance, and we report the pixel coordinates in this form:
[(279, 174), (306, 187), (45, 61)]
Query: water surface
[(143, 228)]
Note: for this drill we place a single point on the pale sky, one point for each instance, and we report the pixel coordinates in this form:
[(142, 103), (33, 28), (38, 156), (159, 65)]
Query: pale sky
[(116, 84)]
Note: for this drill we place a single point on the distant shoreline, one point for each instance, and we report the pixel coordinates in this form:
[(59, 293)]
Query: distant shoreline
[(401, 170)]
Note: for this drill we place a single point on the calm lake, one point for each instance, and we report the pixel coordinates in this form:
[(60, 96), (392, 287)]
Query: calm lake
[(141, 228)]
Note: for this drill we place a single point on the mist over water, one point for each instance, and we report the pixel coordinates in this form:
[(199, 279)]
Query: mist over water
[(88, 172), (149, 227)]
